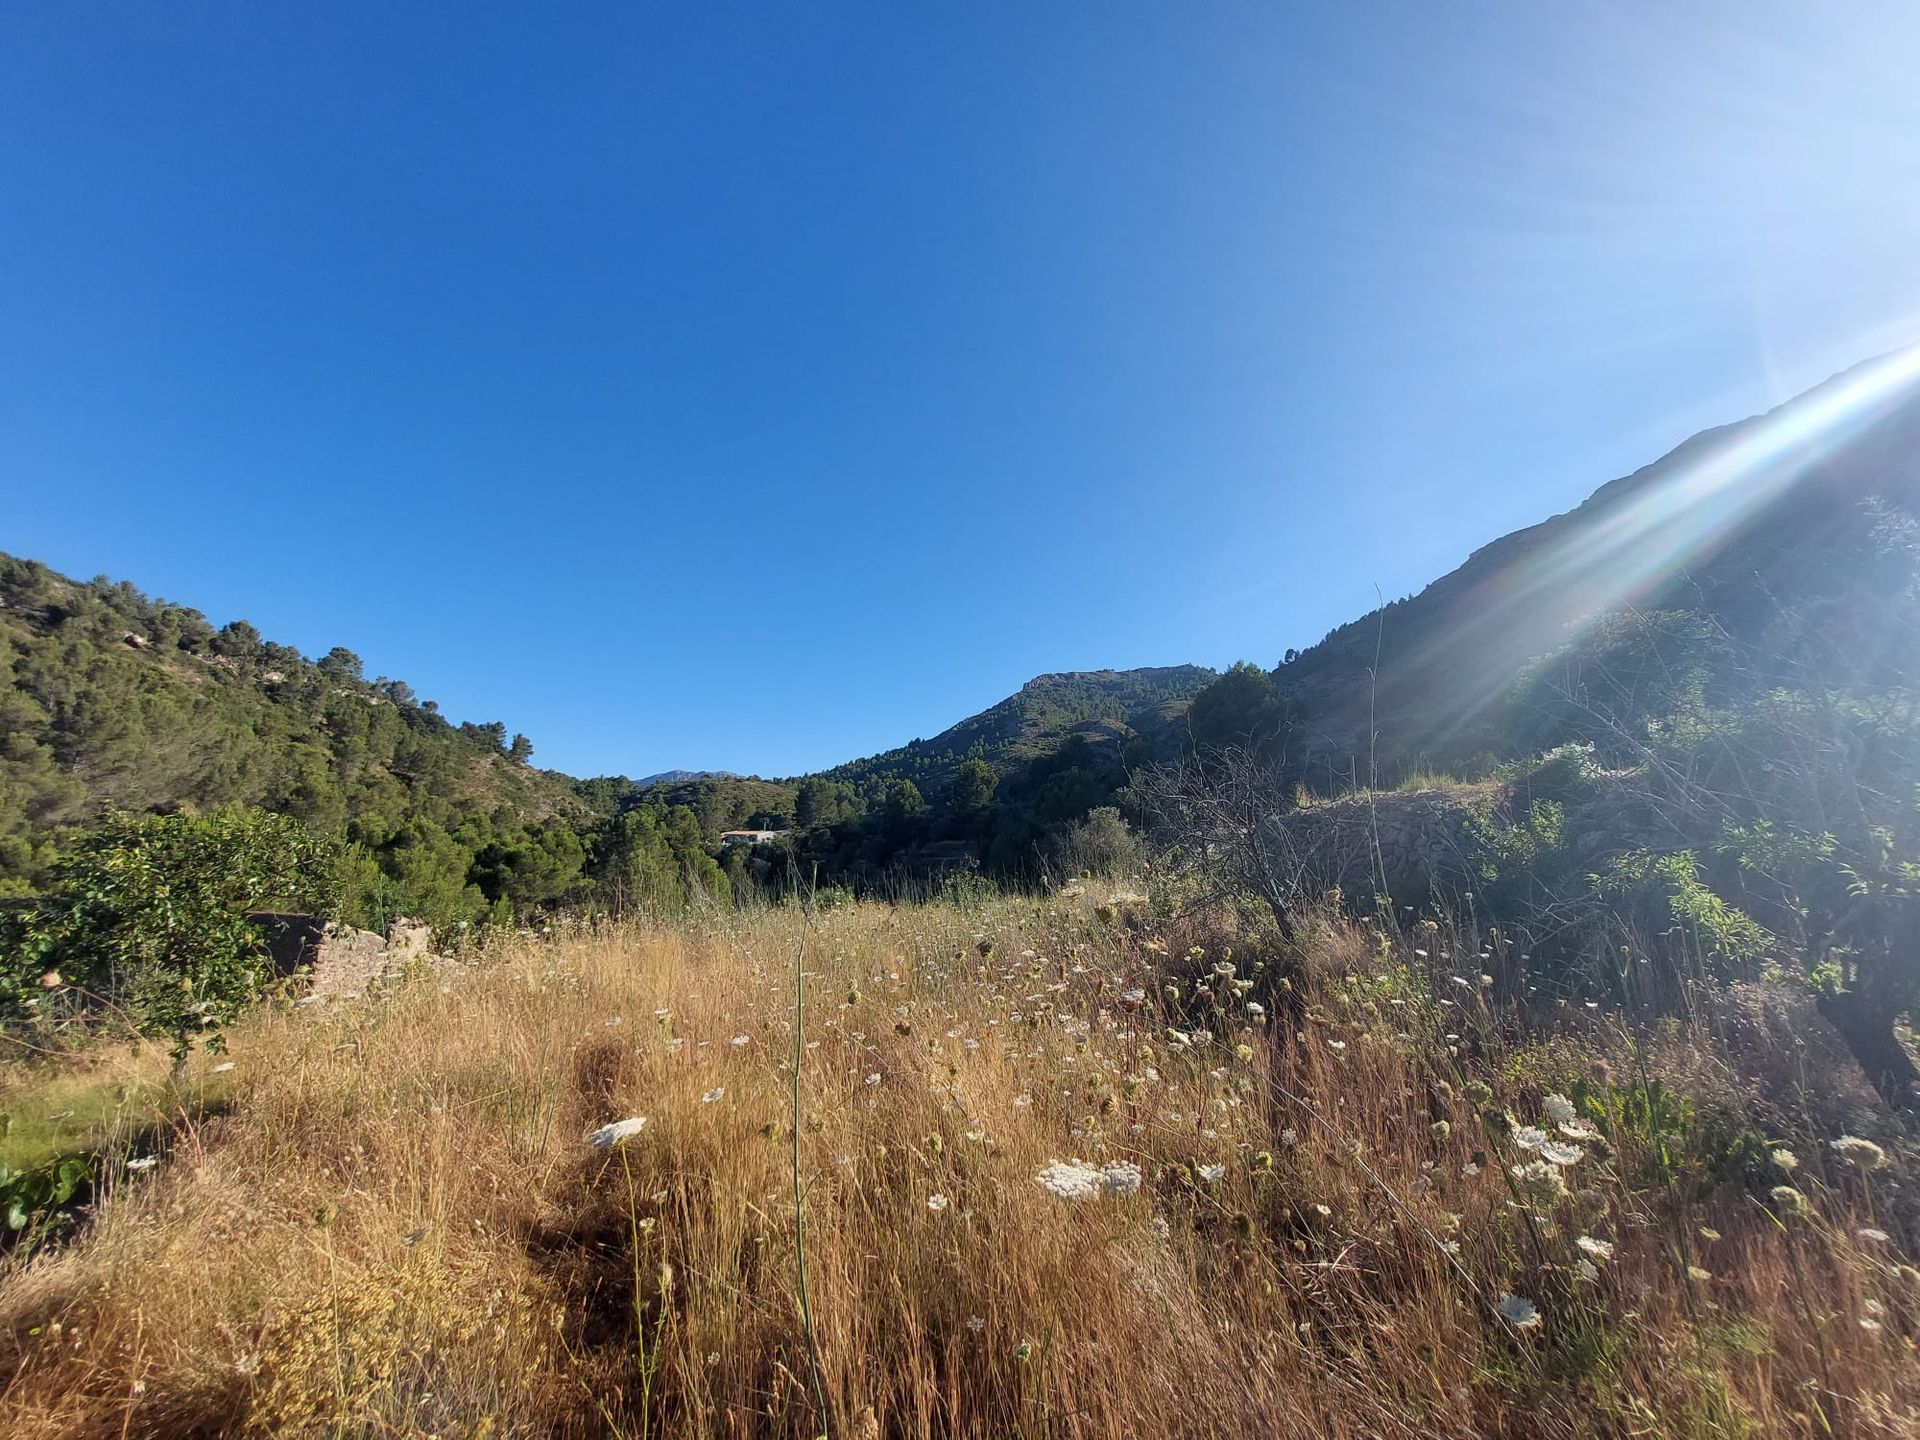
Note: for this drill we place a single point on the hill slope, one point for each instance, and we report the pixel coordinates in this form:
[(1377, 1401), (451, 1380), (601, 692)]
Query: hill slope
[(1737, 526), (1104, 706), (109, 699)]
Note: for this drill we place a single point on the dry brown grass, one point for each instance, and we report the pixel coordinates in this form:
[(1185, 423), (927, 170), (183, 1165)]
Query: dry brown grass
[(399, 1230)]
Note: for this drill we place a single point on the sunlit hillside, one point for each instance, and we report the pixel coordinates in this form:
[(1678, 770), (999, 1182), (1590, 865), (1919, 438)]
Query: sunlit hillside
[(1064, 1166)]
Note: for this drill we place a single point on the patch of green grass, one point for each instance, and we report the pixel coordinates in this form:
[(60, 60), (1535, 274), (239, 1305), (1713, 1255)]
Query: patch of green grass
[(69, 1115), (109, 1104)]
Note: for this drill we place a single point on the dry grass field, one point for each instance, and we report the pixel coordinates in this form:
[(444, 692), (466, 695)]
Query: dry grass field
[(1051, 1170)]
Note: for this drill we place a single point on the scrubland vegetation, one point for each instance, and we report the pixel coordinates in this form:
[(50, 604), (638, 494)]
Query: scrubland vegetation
[(1086, 1164)]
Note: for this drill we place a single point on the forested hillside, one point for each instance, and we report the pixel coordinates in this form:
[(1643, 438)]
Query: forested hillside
[(1105, 706), (111, 700)]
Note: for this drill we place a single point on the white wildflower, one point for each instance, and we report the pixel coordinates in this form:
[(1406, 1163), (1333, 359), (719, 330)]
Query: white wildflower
[(1529, 1137), (612, 1134), (1120, 1178), (713, 1094), (1518, 1311), (1212, 1174), (1599, 1249), (1559, 1109), (1069, 1180), (1540, 1184), (1873, 1235), (936, 1203), (143, 1163), (740, 1040), (1559, 1152), (1785, 1160), (1861, 1152)]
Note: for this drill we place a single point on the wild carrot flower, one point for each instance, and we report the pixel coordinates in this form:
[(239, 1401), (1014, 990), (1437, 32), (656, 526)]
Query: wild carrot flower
[(1069, 1180), (1559, 1109), (1212, 1174), (1789, 1200), (1518, 1311), (1540, 1184), (612, 1134), (936, 1203), (1873, 1235), (1599, 1249), (1120, 1178), (1785, 1160), (1861, 1152), (1529, 1137), (713, 1095), (1559, 1152)]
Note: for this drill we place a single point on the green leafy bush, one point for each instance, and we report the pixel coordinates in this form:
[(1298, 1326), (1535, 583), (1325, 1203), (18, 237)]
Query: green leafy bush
[(32, 1200), (1657, 891), (149, 914)]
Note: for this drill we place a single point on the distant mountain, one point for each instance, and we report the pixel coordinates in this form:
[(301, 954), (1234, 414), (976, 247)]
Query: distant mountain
[(1749, 528), (668, 777), (1112, 711), (1106, 707)]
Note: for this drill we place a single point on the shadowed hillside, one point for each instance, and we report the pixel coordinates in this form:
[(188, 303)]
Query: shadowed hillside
[(1737, 526)]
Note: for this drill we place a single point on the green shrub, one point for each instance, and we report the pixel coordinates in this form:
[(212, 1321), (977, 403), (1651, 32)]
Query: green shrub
[(1657, 891), (33, 1200), (149, 915)]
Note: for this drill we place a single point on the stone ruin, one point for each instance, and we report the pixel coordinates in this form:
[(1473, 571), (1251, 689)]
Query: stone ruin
[(341, 960)]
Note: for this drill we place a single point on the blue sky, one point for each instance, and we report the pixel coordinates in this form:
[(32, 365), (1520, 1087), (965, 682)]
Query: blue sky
[(757, 387)]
